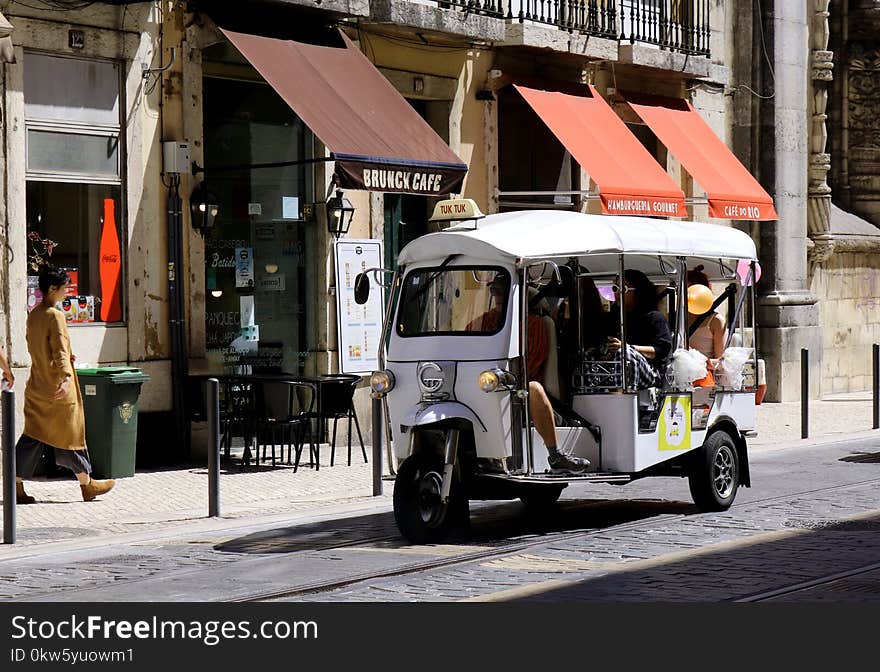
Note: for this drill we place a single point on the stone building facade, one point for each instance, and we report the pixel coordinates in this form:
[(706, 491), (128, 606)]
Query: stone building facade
[(179, 78)]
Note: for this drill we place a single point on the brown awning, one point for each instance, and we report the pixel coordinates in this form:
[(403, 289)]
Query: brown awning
[(7, 54), (379, 142)]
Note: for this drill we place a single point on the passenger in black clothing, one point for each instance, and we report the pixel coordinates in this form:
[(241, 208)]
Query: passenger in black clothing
[(649, 340)]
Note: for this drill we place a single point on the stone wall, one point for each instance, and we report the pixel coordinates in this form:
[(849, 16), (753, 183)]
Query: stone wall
[(848, 287)]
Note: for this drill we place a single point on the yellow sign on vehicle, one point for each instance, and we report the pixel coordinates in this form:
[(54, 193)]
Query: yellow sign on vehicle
[(456, 209), (675, 423)]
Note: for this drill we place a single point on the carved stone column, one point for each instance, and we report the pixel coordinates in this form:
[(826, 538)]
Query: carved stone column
[(863, 78), (822, 64), (788, 316)]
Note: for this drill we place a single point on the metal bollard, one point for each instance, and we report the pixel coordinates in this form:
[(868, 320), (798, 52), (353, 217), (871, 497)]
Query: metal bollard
[(805, 393), (212, 401), (8, 445), (378, 433), (875, 374)]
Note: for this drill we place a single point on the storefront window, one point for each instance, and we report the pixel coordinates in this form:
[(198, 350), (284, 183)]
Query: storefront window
[(82, 221), (50, 152), (257, 258), (74, 181)]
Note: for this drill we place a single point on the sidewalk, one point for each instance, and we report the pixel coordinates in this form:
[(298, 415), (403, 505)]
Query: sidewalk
[(833, 418), (156, 503), (160, 501)]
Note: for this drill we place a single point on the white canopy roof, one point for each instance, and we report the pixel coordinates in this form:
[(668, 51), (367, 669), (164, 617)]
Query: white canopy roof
[(535, 234)]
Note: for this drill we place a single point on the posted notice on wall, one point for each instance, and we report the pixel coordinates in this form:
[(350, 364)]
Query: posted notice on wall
[(359, 326)]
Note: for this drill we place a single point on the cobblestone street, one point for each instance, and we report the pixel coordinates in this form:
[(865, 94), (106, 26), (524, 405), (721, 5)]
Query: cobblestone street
[(813, 512)]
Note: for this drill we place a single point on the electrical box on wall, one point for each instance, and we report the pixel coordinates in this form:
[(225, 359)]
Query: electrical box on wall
[(175, 157)]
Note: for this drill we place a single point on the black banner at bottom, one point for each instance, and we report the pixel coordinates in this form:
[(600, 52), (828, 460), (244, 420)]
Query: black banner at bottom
[(166, 636)]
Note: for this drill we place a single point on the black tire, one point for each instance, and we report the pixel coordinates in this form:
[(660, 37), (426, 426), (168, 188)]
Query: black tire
[(714, 475), (541, 497), (420, 515)]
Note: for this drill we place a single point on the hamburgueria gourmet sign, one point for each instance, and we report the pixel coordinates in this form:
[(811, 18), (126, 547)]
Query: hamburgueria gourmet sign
[(431, 179)]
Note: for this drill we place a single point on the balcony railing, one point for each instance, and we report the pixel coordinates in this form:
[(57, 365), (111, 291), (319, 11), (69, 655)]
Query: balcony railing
[(677, 25)]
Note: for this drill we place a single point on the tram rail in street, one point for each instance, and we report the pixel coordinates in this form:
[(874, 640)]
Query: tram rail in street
[(501, 547), (804, 586), (504, 550)]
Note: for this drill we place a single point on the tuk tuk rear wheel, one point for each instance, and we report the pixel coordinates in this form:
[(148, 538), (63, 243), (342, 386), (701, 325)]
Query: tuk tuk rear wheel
[(421, 516), (714, 475)]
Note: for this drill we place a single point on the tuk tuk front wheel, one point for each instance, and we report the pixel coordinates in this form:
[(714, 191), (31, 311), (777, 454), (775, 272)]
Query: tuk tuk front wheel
[(714, 475), (421, 515)]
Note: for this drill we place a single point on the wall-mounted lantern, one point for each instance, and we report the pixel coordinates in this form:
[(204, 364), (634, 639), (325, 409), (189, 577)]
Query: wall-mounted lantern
[(340, 212), (204, 208)]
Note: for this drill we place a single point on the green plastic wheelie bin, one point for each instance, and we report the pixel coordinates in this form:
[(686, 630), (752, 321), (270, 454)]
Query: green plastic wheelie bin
[(110, 397)]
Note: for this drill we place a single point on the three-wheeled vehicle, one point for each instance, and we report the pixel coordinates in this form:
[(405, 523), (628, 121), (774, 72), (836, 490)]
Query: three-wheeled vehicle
[(454, 378)]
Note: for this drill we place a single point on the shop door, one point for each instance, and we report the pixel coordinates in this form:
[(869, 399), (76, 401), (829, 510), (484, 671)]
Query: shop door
[(406, 215), (258, 316), (405, 220)]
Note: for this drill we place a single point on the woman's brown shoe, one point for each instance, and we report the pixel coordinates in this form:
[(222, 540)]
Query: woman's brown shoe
[(21, 497), (94, 488)]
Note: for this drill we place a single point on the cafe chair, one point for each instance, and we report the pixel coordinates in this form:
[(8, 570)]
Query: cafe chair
[(237, 415), (285, 409), (337, 402)]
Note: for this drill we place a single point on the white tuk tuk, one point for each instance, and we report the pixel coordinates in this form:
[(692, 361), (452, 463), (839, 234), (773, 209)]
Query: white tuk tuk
[(455, 384)]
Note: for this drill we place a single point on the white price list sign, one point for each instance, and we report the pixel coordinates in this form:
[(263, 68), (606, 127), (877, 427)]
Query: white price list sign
[(359, 326)]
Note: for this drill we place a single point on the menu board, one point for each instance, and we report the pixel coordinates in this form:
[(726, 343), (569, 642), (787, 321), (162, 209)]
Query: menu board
[(359, 326)]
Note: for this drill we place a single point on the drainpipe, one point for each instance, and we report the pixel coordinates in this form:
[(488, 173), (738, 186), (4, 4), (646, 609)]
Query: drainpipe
[(177, 315)]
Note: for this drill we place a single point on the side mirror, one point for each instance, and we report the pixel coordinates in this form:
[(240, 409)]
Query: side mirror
[(361, 289)]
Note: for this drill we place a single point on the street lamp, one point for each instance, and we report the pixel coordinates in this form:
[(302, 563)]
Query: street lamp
[(340, 212), (204, 208)]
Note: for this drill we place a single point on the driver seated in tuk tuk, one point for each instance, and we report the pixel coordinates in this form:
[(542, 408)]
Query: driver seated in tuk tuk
[(647, 331), (540, 408)]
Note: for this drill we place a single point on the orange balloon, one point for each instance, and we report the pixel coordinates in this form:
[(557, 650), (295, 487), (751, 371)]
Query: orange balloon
[(699, 299)]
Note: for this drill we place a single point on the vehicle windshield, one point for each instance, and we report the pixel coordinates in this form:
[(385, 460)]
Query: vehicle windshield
[(454, 301)]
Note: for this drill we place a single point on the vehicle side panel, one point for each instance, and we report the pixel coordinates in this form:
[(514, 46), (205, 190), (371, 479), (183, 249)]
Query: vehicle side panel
[(738, 406), (616, 416)]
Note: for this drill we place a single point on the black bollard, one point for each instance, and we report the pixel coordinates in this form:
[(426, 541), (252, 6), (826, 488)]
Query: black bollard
[(212, 399), (875, 374), (378, 433), (805, 393), (8, 445)]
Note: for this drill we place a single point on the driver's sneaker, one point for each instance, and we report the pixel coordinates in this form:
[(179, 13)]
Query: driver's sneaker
[(561, 463)]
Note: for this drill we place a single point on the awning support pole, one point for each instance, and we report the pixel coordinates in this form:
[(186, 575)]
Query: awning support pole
[(586, 195), (196, 168)]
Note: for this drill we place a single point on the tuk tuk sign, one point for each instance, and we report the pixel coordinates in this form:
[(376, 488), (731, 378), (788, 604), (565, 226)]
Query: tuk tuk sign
[(359, 327), (455, 210)]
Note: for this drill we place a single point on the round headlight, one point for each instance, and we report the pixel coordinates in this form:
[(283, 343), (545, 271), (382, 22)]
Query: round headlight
[(381, 382), (489, 381)]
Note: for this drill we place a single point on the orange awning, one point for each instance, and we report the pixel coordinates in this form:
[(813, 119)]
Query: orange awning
[(630, 180), (732, 190)]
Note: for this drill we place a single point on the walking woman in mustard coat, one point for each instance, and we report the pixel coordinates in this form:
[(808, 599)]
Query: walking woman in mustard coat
[(53, 406)]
